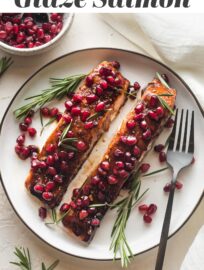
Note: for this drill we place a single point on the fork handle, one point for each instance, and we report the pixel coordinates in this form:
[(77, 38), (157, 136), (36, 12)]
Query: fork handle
[(165, 230)]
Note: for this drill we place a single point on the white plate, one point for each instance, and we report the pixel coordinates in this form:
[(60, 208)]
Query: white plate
[(141, 237)]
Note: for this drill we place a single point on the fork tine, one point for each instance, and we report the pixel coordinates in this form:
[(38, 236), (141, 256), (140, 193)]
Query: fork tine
[(191, 140), (185, 133), (180, 131), (173, 133)]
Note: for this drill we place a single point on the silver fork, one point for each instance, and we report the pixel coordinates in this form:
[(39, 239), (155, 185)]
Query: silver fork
[(179, 155)]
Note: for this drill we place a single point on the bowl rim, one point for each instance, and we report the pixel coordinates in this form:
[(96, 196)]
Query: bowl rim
[(67, 24)]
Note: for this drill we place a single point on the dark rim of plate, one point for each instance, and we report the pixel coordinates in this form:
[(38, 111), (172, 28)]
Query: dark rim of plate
[(76, 52)]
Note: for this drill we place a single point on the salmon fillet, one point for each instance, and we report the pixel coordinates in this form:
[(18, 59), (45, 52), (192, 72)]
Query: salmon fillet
[(89, 114), (123, 156)]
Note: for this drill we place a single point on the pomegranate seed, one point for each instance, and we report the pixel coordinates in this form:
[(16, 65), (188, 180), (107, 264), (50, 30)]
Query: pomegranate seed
[(47, 196), (23, 127), (49, 186), (105, 165), (3, 34), (99, 90), (68, 105), (139, 108), (70, 155), (103, 71), (169, 123), (118, 153), (129, 166), (153, 115), (50, 160), (53, 29), (101, 186), (76, 192), (89, 81), (47, 38), (64, 207), (147, 219), (8, 27), (79, 203), (116, 64), (160, 112), (86, 189), (64, 166), (89, 125), (21, 139), (54, 17), (100, 107), (167, 187), (28, 121), (75, 111), (147, 135), (53, 112), (143, 125), (83, 214), (123, 174), (25, 153), (162, 156), (102, 172), (151, 209), (50, 148), (77, 98), (95, 222), (104, 85), (136, 151), (136, 86), (59, 117), (63, 155), (40, 33), (91, 98), (58, 178), (110, 80), (123, 139), (143, 207), (131, 124), (84, 115), (42, 211), (139, 117), (67, 118), (179, 185), (51, 171), (39, 188), (128, 156), (153, 101), (158, 148), (45, 111), (95, 180), (131, 140), (81, 146), (119, 164), (144, 167), (73, 205), (165, 77), (85, 201), (32, 131), (112, 180)]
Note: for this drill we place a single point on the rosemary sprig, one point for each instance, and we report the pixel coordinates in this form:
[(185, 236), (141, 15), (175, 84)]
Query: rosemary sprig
[(65, 142), (47, 124), (165, 105), (24, 261), (55, 219), (97, 114), (59, 88), (5, 63), (162, 80)]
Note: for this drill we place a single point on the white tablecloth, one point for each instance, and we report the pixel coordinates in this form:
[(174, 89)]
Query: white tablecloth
[(87, 31)]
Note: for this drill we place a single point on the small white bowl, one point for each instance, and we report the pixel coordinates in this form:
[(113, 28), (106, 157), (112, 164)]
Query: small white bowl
[(68, 18)]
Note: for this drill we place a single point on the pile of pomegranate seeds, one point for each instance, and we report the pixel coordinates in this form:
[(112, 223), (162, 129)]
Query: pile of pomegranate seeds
[(148, 211), (21, 150), (29, 30)]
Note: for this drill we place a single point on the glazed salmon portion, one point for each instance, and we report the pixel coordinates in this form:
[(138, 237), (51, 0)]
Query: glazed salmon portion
[(123, 156), (88, 115)]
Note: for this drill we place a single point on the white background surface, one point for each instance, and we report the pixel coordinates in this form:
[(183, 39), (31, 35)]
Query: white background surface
[(87, 31)]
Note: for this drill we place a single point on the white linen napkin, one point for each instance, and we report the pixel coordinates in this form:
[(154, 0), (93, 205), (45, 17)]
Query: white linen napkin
[(178, 41), (175, 39)]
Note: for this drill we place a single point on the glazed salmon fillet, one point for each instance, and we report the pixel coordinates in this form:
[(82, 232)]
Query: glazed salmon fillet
[(123, 156), (88, 115)]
